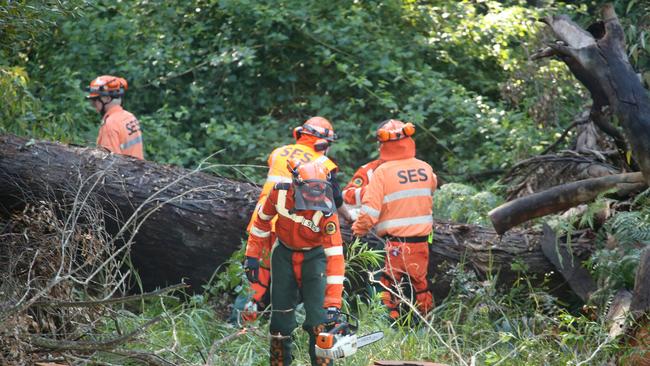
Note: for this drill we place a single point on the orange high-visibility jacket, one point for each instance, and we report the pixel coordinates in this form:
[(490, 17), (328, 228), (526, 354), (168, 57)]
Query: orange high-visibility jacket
[(398, 200), (120, 133), (301, 230), (356, 188), (278, 172)]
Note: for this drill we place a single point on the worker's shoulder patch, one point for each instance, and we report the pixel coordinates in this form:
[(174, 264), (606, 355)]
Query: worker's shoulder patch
[(330, 228), (282, 186)]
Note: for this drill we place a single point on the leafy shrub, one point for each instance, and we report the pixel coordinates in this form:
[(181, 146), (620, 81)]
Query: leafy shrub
[(462, 203)]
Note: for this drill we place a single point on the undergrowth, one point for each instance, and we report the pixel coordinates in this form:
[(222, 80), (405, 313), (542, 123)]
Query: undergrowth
[(478, 323)]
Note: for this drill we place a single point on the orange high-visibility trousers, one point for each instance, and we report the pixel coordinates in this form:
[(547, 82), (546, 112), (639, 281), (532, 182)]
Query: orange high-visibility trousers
[(408, 260)]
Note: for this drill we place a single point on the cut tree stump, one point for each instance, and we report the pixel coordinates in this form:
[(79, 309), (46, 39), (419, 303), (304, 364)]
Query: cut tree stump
[(190, 237)]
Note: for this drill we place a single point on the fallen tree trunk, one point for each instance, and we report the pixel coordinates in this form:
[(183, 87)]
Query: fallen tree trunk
[(485, 252), (198, 220), (194, 220), (561, 198)]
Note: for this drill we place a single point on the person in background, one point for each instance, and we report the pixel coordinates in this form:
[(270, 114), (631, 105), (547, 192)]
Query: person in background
[(120, 130), (353, 193), (307, 257), (398, 204), (356, 187)]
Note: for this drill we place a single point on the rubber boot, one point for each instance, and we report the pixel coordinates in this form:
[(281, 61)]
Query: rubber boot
[(281, 351), (317, 361)]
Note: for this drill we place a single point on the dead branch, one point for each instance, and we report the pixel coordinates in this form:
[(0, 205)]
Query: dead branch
[(599, 61), (110, 301), (90, 346), (561, 198)]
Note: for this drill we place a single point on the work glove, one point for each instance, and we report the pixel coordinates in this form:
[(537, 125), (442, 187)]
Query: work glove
[(332, 317), (252, 269)]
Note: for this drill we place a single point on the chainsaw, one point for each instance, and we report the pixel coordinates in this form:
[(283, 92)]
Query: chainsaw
[(341, 341)]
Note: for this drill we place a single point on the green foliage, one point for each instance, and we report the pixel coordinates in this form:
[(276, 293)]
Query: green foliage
[(18, 102), (462, 203), (620, 243), (231, 278), (237, 76), (22, 23), (520, 325)]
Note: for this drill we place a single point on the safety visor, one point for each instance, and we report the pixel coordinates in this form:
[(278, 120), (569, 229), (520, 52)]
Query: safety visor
[(321, 132), (314, 194), (96, 92)]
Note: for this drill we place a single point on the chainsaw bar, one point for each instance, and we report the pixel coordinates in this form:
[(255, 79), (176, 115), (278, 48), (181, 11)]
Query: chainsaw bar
[(369, 338)]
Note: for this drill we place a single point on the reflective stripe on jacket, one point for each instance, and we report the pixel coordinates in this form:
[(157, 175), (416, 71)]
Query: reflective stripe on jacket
[(120, 133), (301, 230), (398, 200)]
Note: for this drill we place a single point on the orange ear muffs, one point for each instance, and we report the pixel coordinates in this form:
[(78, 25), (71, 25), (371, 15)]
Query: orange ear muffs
[(408, 129), (321, 145), (383, 135), (297, 132)]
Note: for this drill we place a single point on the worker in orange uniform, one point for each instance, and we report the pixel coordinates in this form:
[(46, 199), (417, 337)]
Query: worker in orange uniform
[(398, 204), (355, 189), (307, 257), (353, 192), (120, 130), (313, 140)]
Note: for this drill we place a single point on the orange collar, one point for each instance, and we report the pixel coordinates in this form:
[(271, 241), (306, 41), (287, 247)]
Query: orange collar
[(307, 140), (114, 109), (397, 150)]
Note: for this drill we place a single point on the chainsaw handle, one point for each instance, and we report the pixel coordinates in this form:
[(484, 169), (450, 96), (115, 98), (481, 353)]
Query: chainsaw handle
[(338, 327)]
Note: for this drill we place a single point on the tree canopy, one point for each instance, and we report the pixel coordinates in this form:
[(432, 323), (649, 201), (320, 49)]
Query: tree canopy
[(235, 77)]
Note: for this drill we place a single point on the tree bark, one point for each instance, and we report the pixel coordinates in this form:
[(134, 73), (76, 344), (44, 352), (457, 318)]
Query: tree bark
[(196, 219), (486, 253), (598, 60), (560, 198), (641, 296), (191, 235), (576, 276)]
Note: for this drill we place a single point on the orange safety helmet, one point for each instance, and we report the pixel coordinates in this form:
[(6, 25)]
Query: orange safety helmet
[(312, 170), (316, 126), (393, 130), (107, 86), (312, 189)]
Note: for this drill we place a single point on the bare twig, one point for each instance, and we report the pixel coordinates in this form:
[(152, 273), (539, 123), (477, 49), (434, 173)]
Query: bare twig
[(87, 346), (115, 300), (221, 341)]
